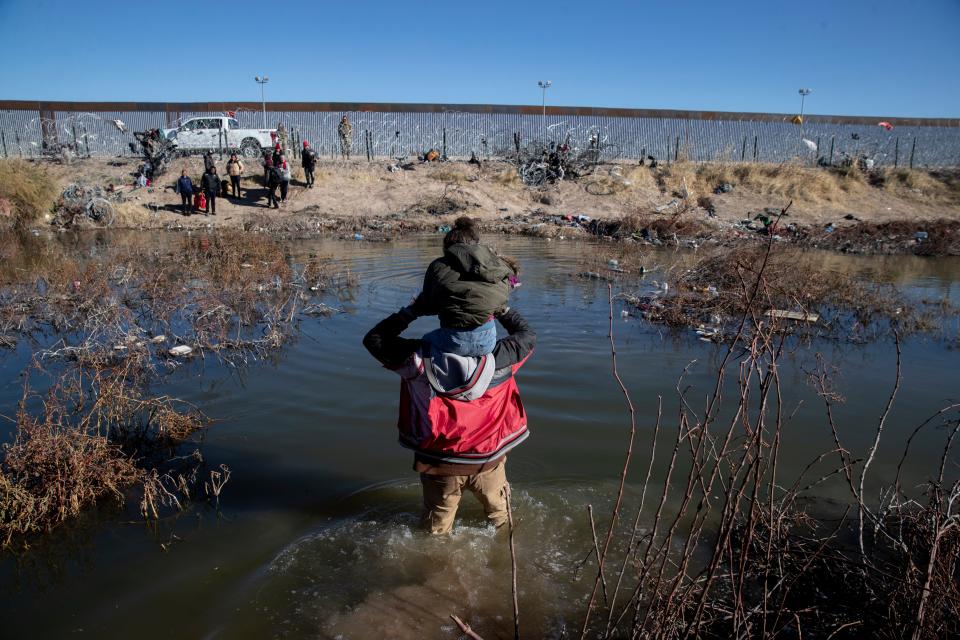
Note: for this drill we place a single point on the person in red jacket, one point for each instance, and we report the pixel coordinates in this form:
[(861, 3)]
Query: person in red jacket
[(460, 415)]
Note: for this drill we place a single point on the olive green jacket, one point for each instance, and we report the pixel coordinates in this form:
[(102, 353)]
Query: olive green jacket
[(467, 286)]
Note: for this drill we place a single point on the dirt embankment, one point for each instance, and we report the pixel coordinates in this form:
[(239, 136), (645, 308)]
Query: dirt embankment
[(887, 211)]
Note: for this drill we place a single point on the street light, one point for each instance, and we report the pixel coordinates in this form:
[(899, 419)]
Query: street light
[(803, 95), (544, 85), (262, 80)]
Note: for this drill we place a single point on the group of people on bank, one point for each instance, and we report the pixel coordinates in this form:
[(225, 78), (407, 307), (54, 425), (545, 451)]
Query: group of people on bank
[(201, 196)]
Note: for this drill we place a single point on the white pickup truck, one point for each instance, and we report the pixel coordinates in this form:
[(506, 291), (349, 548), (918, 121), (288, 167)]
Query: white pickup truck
[(215, 132)]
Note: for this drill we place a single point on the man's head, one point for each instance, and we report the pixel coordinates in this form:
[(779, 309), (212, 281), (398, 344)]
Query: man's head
[(464, 231), (183, 174), (233, 156), (306, 145)]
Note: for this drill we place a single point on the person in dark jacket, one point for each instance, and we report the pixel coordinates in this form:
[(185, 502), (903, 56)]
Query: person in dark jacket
[(185, 189), (277, 155), (273, 181), (208, 161), (460, 415), (285, 176), (267, 163), (309, 159), (466, 288), (210, 183)]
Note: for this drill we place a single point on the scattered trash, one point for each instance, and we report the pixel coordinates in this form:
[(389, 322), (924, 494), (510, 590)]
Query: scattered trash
[(800, 316), (612, 263), (624, 314), (725, 187), (850, 216), (592, 275), (444, 228), (810, 144), (181, 350), (158, 339), (829, 228), (709, 334), (358, 236), (920, 236)]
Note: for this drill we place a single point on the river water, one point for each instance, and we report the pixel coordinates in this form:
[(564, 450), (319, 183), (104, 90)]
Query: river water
[(316, 532)]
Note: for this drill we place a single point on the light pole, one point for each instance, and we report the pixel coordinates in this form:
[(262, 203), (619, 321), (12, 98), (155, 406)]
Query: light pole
[(262, 80), (544, 85), (803, 95)]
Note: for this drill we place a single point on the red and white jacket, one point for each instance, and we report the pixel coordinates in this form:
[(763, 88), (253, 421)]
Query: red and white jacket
[(456, 409)]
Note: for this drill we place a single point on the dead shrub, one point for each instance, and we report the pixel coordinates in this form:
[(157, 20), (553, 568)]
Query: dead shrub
[(718, 287), (52, 471), (27, 191), (507, 177), (99, 430)]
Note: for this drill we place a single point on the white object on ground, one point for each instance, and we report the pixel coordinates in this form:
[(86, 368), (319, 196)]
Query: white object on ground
[(181, 350)]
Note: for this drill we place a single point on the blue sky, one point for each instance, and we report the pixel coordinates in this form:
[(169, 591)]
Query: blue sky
[(876, 57)]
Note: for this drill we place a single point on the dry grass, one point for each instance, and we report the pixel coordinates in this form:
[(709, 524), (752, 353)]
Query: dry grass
[(787, 181), (449, 174), (507, 177), (933, 187), (27, 191)]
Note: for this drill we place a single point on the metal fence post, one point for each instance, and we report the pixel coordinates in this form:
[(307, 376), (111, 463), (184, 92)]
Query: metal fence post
[(755, 148), (444, 143), (912, 150), (743, 149), (19, 146), (676, 150), (816, 153), (3, 136), (896, 152), (832, 139)]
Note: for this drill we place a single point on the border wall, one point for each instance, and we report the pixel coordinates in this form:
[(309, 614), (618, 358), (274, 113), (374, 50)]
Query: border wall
[(29, 128)]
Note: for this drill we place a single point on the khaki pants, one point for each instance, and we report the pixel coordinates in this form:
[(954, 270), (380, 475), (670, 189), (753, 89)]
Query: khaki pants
[(441, 496)]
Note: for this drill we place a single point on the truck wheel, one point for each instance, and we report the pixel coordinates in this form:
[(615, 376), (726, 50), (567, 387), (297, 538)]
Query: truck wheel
[(250, 148)]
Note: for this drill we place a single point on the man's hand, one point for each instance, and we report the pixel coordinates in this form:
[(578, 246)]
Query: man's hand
[(417, 308)]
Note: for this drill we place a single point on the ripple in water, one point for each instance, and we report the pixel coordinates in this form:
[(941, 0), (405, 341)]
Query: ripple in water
[(378, 575)]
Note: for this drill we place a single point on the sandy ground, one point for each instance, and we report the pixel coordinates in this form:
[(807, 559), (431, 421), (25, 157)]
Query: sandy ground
[(434, 194)]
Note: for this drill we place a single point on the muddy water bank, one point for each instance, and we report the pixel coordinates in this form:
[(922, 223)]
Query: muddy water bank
[(316, 532)]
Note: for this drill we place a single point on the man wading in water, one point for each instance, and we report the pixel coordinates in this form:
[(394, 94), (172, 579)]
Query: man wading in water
[(459, 414)]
